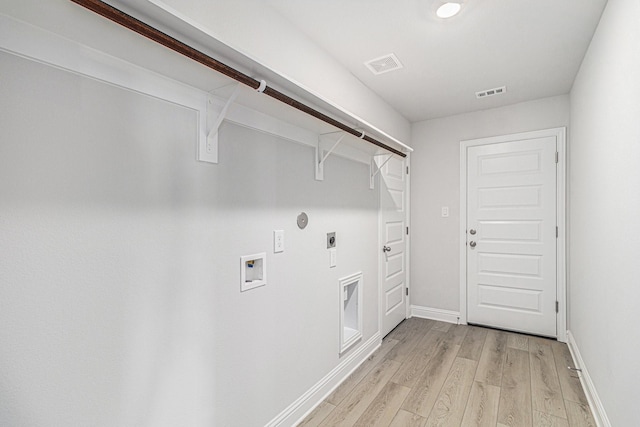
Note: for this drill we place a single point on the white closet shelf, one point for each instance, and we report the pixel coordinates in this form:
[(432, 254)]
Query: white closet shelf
[(157, 14), (106, 58)]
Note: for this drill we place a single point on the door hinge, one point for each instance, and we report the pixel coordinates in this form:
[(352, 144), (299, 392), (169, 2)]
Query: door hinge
[(557, 155), (407, 170), (407, 231), (406, 291), (557, 307), (556, 231)]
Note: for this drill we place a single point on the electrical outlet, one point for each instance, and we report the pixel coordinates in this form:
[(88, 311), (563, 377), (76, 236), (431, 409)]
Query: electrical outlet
[(445, 211), (331, 240), (278, 241)]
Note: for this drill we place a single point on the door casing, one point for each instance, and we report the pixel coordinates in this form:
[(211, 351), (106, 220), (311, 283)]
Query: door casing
[(561, 285)]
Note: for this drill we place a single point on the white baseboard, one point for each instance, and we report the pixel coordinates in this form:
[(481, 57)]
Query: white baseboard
[(306, 403), (435, 314), (597, 409)]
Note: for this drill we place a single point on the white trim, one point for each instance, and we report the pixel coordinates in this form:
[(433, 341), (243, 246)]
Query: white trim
[(561, 284), (379, 260), (407, 262), (561, 242), (462, 244), (435, 314), (597, 408), (306, 403)]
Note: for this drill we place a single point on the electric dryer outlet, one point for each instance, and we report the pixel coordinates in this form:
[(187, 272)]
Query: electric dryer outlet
[(331, 240)]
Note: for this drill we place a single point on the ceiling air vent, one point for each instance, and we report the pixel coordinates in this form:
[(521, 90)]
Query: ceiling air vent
[(384, 64), (491, 92)]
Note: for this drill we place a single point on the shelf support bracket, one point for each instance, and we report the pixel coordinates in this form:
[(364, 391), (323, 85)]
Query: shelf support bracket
[(209, 153), (374, 170), (320, 159)]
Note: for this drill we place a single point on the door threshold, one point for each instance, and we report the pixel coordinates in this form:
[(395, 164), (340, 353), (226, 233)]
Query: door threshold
[(495, 328)]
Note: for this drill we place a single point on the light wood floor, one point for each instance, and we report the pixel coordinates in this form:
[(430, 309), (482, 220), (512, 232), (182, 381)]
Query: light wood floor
[(429, 373)]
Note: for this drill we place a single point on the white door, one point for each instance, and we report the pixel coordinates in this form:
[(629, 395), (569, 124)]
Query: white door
[(393, 237), (511, 235)]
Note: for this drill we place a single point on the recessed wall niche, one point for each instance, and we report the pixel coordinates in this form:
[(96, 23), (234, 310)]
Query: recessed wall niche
[(350, 310), (253, 271)]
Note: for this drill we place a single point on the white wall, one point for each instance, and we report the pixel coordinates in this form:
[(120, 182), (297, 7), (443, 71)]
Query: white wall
[(435, 182), (604, 280), (120, 261)]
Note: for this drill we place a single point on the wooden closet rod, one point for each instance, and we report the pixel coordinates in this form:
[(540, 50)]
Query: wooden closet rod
[(158, 36)]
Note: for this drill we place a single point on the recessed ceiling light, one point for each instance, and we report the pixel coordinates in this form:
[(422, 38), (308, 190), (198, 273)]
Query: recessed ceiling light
[(447, 10)]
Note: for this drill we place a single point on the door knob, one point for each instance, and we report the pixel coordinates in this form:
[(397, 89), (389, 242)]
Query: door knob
[(386, 249), (472, 244), (472, 231)]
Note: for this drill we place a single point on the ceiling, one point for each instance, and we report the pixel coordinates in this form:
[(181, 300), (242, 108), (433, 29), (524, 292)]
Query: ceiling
[(533, 47)]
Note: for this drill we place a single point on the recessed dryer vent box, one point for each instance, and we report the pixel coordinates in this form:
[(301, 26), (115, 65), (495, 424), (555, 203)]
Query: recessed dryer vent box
[(350, 310), (253, 271)]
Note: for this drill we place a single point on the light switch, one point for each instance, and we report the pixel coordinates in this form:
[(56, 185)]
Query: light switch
[(332, 257), (445, 211), (278, 241)]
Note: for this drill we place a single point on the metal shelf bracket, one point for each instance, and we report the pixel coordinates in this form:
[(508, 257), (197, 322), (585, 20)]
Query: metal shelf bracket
[(209, 153), (375, 170), (320, 159)]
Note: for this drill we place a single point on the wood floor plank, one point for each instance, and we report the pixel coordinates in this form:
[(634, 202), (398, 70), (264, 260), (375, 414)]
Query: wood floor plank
[(457, 333), (515, 394), (450, 405), (492, 358), (407, 419), (411, 325), (384, 407), (404, 349), (356, 402), (579, 415), (400, 331), (545, 384), (317, 415), (471, 347), (569, 380), (424, 394), (442, 326), (431, 339), (482, 407), (413, 368), (350, 383), (540, 419), (540, 340), (519, 341)]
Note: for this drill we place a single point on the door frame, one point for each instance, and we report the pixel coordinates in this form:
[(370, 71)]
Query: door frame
[(561, 283), (407, 248)]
